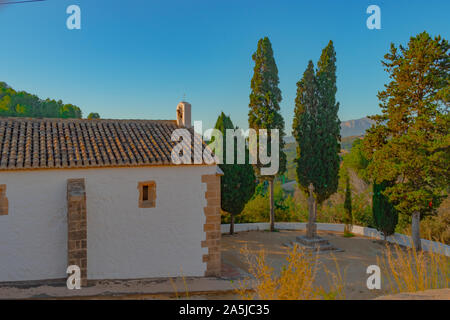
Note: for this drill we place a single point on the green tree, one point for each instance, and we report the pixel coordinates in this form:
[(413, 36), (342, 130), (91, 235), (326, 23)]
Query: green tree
[(258, 209), (93, 115), (304, 129), (264, 113), (23, 104), (357, 160), (348, 217), (385, 216), (238, 181), (20, 110), (69, 111), (410, 142), (4, 105), (328, 125), (316, 127)]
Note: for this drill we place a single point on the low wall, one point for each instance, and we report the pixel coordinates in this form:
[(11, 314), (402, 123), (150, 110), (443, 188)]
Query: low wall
[(398, 238)]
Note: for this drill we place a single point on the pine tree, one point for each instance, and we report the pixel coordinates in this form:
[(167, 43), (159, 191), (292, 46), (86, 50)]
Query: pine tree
[(238, 182), (410, 142), (385, 216), (265, 98), (348, 217)]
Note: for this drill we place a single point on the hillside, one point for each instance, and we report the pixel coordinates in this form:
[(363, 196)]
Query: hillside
[(350, 130), (23, 104)]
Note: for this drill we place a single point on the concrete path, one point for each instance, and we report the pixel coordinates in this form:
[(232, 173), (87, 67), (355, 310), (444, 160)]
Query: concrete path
[(436, 294), (165, 288)]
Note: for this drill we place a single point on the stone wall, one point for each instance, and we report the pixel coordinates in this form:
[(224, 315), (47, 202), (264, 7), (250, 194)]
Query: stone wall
[(212, 225), (77, 226)]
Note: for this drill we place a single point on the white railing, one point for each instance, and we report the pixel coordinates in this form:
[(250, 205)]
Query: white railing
[(398, 238)]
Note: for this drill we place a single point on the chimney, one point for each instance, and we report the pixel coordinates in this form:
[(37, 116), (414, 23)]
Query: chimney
[(184, 114)]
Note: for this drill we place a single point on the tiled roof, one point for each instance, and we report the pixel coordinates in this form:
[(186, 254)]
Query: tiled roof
[(79, 143)]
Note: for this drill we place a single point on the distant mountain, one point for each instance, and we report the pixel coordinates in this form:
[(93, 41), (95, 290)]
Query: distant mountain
[(356, 127), (349, 128)]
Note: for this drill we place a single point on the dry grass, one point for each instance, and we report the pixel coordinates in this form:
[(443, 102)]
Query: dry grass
[(336, 281), (175, 290), (403, 270), (407, 270), (295, 281)]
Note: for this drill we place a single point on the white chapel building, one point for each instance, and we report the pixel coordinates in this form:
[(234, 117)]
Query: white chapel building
[(104, 195)]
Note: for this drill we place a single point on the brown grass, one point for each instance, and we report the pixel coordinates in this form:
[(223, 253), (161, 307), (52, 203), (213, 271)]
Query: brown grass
[(295, 281), (403, 270), (177, 296), (336, 281), (407, 270)]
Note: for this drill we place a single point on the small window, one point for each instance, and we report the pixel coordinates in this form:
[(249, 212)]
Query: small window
[(147, 194), (3, 200)]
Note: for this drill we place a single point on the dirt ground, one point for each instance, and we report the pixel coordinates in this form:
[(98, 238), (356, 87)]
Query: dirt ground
[(358, 253)]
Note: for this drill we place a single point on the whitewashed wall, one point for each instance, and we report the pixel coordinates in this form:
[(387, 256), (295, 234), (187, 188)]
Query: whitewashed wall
[(124, 241)]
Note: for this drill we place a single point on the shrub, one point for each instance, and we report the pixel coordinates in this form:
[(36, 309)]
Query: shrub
[(362, 210), (384, 214), (258, 208), (437, 227), (357, 160)]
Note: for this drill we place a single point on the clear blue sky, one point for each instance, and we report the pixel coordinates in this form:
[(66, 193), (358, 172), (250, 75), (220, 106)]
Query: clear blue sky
[(136, 58)]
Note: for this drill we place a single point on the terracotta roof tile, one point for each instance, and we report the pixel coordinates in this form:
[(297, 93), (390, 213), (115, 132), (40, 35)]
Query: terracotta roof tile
[(27, 143)]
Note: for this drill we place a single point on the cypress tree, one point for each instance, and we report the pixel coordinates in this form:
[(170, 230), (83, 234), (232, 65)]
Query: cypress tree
[(265, 98), (385, 216), (328, 126), (348, 216), (316, 127), (304, 128), (238, 181)]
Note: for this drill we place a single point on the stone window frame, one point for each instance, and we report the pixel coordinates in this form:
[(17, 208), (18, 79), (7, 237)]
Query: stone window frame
[(3, 200), (151, 201)]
